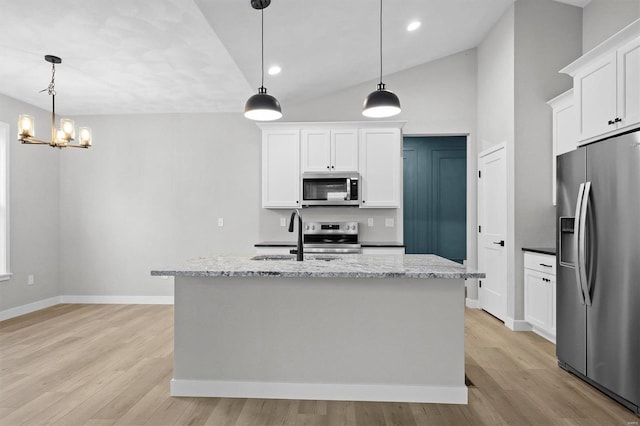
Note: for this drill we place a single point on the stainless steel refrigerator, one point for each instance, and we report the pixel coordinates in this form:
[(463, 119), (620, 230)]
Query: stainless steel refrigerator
[(598, 266)]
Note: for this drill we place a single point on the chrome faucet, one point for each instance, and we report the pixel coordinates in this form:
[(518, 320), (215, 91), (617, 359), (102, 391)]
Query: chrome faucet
[(299, 254)]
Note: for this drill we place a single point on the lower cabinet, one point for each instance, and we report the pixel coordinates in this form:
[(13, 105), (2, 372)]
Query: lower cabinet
[(540, 294)]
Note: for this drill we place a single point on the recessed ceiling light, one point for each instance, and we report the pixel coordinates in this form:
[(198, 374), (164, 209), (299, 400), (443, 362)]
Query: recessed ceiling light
[(414, 26), (274, 69)]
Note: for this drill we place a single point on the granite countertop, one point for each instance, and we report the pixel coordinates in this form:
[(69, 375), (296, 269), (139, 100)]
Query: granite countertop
[(324, 266), (362, 243), (543, 250)]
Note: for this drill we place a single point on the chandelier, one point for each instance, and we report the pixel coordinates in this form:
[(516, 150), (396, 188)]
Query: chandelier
[(60, 138)]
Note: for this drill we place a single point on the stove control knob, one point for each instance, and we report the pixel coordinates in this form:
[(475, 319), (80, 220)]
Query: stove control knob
[(313, 227), (306, 227)]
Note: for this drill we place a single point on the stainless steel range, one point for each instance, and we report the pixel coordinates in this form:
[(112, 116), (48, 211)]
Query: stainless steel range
[(331, 237)]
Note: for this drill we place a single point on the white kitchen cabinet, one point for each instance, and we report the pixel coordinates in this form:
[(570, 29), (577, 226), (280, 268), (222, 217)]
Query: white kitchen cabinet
[(540, 294), (380, 167), (629, 83), (595, 87), (565, 136), (329, 150), (606, 81), (281, 168)]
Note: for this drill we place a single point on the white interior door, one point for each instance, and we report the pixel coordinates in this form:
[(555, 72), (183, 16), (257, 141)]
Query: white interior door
[(492, 221)]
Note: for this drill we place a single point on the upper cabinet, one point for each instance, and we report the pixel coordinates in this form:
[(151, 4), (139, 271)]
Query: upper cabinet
[(380, 167), (629, 83), (565, 131), (606, 82), (372, 148), (281, 168), (329, 150)]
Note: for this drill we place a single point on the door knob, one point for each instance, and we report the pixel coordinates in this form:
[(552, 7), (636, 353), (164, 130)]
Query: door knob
[(499, 243)]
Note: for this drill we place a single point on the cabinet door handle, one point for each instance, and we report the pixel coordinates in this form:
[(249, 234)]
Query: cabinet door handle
[(618, 119), (499, 243), (327, 167), (611, 122), (546, 280), (333, 167), (545, 265)]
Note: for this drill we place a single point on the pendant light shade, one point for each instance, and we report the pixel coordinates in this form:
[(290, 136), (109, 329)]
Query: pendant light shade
[(381, 102), (262, 106)]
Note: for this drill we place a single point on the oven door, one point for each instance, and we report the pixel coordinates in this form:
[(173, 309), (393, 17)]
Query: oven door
[(331, 243)]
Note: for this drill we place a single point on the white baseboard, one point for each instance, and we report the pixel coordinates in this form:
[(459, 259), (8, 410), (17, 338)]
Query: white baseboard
[(107, 300), (320, 391), (28, 308), (118, 300), (540, 332), (517, 325), (472, 303)]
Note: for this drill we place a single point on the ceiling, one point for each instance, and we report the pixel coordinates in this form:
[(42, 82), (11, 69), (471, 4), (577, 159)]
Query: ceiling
[(172, 56)]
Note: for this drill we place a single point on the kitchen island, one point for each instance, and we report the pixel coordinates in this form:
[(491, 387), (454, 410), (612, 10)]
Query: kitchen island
[(351, 327)]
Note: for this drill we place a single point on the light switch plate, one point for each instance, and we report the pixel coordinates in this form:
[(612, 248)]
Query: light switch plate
[(30, 280), (389, 222), (283, 221), (370, 221), (220, 221)]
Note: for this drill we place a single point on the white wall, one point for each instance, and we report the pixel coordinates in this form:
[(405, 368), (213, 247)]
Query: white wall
[(496, 84), (34, 211), (518, 65), (148, 194), (496, 103), (603, 18), (548, 35)]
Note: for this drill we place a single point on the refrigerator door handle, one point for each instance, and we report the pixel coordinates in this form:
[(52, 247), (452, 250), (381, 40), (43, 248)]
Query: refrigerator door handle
[(577, 243), (582, 249)]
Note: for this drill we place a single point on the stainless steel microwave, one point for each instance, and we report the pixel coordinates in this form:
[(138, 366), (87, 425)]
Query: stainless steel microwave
[(330, 189)]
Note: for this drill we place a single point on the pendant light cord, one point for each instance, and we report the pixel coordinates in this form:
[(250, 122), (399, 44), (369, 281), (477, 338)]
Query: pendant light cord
[(380, 41), (262, 38)]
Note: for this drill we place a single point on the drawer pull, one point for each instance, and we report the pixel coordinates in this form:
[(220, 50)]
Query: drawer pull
[(545, 265)]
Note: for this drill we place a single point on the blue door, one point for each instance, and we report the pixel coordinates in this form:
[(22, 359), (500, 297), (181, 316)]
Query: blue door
[(435, 196)]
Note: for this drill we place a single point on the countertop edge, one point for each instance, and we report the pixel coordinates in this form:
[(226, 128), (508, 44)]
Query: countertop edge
[(288, 274), (542, 250), (363, 244)]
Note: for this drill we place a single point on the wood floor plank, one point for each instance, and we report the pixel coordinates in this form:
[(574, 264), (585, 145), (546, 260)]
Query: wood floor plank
[(111, 364)]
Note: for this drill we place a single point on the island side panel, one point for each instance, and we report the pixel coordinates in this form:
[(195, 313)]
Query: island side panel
[(384, 337)]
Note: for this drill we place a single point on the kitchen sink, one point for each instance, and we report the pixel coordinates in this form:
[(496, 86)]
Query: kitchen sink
[(292, 257)]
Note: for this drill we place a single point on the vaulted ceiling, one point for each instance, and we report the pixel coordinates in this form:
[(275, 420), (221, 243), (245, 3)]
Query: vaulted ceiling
[(163, 56)]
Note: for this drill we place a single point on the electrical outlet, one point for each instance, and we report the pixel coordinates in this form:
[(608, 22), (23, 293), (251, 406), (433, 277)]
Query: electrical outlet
[(220, 222), (283, 221), (389, 222), (30, 280), (370, 222)]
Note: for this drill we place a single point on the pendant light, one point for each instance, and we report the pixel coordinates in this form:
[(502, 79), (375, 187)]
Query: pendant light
[(262, 107), (381, 102)]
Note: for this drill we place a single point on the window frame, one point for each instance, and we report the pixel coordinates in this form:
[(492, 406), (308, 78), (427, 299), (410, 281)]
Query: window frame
[(4, 202)]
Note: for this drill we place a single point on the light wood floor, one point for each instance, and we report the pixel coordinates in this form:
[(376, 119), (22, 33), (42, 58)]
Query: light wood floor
[(111, 364)]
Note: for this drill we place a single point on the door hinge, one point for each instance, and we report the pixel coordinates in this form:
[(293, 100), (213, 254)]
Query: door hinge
[(480, 284), (479, 174), (479, 229)]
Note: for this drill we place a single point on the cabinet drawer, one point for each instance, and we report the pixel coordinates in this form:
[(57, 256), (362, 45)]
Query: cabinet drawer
[(540, 262)]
